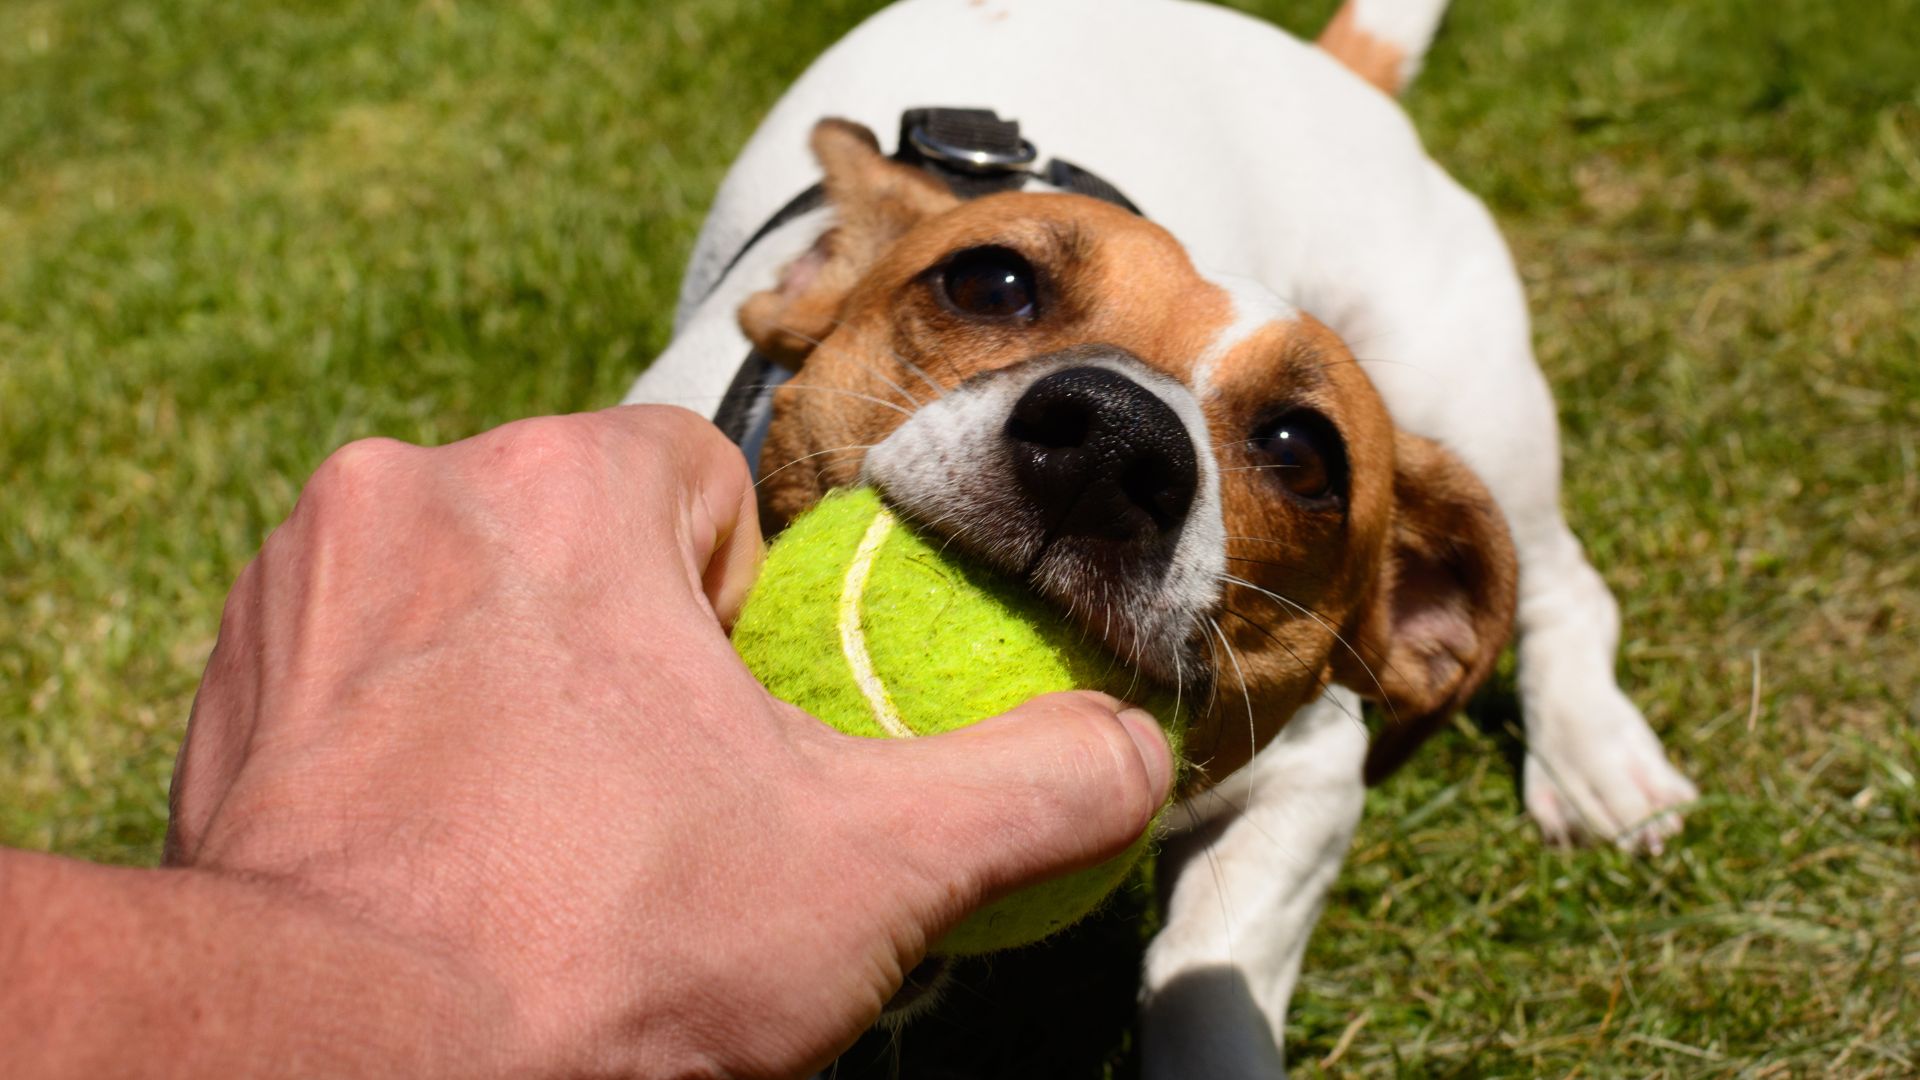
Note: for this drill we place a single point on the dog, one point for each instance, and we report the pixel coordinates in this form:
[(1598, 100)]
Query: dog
[(1246, 389)]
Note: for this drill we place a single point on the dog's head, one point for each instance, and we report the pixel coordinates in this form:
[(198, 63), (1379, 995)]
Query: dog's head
[(1198, 474)]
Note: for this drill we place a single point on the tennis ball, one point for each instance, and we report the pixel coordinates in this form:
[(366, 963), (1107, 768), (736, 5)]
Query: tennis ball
[(867, 625)]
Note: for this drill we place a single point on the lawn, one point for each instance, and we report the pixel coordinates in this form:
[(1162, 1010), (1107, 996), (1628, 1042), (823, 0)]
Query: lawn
[(234, 236)]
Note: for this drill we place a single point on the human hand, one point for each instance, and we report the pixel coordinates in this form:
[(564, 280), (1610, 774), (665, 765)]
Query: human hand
[(480, 697)]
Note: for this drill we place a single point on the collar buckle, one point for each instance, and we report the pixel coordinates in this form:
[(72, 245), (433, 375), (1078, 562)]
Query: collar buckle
[(971, 146), (972, 141)]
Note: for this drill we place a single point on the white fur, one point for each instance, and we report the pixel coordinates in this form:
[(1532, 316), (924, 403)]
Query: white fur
[(1271, 162), (1254, 306), (1408, 25), (1252, 871)]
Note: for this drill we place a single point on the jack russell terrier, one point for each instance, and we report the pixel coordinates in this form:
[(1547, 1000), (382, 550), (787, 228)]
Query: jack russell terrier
[(1268, 423)]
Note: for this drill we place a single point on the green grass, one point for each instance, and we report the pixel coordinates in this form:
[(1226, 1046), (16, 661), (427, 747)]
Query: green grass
[(234, 236)]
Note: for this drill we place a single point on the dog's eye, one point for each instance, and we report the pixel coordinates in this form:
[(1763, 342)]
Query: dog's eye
[(1302, 452), (991, 282)]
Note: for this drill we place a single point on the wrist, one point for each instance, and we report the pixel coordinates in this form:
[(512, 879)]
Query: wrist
[(191, 972)]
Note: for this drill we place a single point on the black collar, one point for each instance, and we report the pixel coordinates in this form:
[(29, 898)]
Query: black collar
[(974, 153)]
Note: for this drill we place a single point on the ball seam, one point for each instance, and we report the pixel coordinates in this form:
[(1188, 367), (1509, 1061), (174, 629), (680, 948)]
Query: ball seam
[(853, 637)]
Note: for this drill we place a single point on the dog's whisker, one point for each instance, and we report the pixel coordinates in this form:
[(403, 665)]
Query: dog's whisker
[(876, 372), (1258, 540), (1356, 341), (1246, 694), (1107, 607), (1193, 628), (938, 390), (808, 457), (1329, 627), (848, 354), (1304, 665), (1213, 747), (825, 481), (690, 400), (1106, 640), (1195, 624), (954, 531), (1296, 604), (1288, 649), (1133, 655), (1219, 882), (1213, 688), (884, 403), (1291, 568), (1368, 360), (1179, 680), (1281, 847)]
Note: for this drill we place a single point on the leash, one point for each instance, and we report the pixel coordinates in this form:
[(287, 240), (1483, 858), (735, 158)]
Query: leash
[(974, 153)]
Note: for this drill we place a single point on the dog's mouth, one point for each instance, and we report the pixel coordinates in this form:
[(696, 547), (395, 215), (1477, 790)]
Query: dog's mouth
[(1078, 474), (1111, 595)]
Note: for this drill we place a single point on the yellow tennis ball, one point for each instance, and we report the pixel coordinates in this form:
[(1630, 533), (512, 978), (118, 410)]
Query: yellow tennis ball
[(867, 625)]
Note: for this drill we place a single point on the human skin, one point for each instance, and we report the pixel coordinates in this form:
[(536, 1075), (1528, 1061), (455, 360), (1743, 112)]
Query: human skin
[(474, 785)]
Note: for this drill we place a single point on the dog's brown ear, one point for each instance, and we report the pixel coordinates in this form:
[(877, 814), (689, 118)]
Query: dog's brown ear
[(876, 200), (1443, 607)]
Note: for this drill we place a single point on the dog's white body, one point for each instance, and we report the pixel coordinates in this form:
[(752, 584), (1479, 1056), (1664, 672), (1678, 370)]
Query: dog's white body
[(1268, 160)]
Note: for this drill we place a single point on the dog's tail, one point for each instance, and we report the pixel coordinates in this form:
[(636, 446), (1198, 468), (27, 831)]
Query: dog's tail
[(1383, 41)]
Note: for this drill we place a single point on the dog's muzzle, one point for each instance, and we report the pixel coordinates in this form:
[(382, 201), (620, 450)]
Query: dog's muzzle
[(1086, 474)]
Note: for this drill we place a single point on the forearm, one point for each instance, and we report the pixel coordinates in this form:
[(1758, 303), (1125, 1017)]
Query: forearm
[(113, 971)]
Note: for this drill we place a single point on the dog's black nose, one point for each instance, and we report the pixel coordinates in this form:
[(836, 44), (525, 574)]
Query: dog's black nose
[(1106, 451)]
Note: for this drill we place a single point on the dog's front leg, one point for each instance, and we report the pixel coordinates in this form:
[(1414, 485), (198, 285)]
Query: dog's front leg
[(1247, 882)]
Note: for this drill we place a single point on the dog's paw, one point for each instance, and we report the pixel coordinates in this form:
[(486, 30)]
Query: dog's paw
[(1596, 772)]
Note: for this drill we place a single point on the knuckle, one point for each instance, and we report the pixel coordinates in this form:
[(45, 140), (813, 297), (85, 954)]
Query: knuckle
[(550, 470), (676, 426), (542, 448), (357, 468), (549, 487), (352, 484), (674, 440)]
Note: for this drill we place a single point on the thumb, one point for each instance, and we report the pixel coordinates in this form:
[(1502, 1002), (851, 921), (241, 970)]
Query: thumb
[(1058, 784)]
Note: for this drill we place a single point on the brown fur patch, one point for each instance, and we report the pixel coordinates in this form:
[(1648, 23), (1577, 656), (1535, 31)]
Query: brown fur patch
[(1305, 575), (1379, 62), (1446, 599)]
